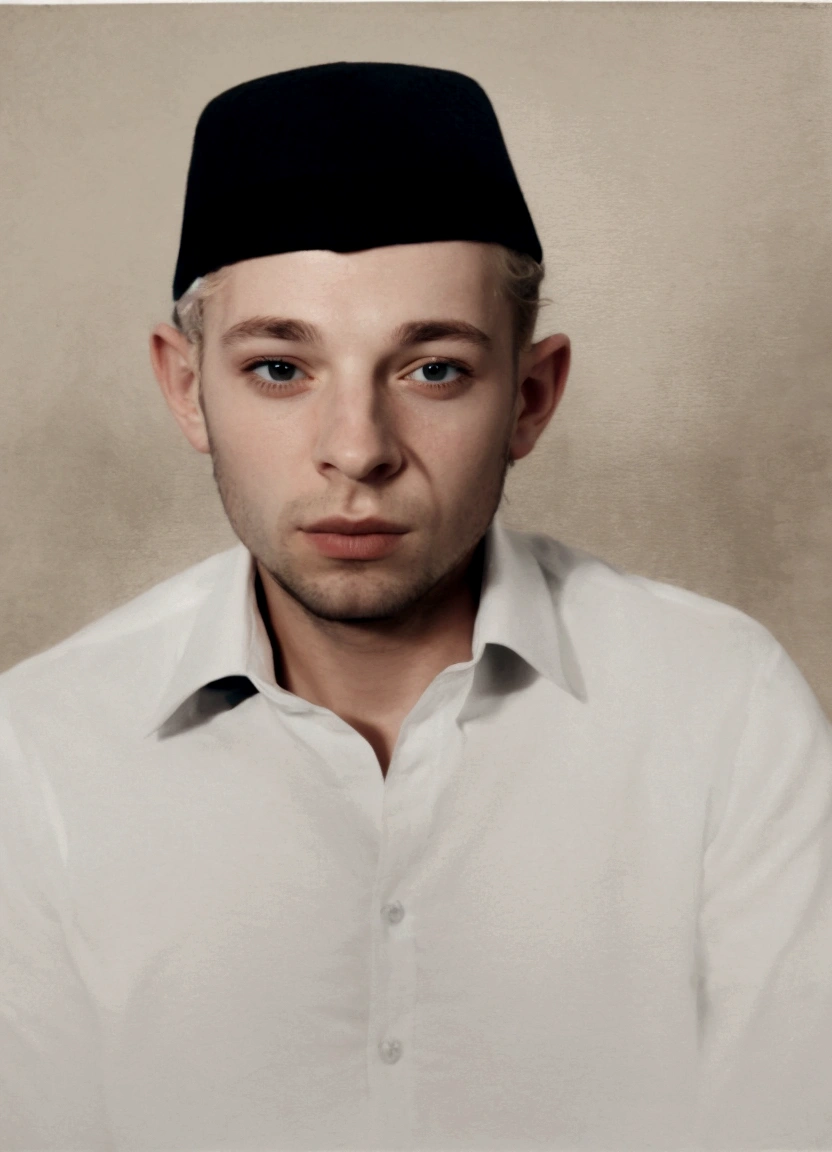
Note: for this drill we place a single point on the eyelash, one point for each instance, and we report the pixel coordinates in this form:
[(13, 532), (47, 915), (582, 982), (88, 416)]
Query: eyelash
[(280, 386)]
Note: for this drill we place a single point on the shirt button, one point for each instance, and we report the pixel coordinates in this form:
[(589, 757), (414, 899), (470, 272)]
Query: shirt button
[(393, 913), (390, 1051)]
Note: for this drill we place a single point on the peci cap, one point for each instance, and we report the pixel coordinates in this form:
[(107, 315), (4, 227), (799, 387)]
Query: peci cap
[(347, 156)]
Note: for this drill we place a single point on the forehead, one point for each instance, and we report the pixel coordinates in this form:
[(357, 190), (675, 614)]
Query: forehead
[(377, 288)]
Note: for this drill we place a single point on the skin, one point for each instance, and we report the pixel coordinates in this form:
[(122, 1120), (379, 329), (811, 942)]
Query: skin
[(352, 426)]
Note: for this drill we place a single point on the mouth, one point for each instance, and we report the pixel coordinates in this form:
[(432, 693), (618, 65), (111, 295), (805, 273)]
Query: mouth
[(355, 545)]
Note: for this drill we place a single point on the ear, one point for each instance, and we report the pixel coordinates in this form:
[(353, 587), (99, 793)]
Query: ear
[(174, 364), (543, 371)]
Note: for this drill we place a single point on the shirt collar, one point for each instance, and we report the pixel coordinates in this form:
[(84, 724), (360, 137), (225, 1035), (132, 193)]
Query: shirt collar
[(517, 610)]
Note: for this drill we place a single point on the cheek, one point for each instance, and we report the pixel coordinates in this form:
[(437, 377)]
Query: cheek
[(471, 444), (249, 449)]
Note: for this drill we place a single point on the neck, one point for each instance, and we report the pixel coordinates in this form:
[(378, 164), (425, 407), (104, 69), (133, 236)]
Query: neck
[(377, 675)]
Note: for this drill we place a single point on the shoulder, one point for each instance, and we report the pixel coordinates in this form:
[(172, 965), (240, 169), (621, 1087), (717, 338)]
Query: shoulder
[(646, 616), (128, 642)]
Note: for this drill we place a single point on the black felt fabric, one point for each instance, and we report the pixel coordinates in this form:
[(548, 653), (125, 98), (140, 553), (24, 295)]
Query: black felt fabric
[(347, 156)]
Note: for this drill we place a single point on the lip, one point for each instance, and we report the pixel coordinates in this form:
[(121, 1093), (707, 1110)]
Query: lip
[(356, 527), (355, 545)]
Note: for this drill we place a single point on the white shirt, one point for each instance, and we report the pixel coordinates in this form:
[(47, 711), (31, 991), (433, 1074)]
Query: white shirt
[(590, 905)]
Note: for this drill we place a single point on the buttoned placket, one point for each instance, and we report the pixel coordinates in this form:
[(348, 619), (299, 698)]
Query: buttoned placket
[(425, 754)]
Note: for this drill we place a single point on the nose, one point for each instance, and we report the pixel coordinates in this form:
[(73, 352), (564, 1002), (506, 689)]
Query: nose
[(358, 434)]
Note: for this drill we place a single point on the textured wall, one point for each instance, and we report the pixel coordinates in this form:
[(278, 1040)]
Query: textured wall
[(677, 159)]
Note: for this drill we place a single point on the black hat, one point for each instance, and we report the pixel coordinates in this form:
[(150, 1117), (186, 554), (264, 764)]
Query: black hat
[(344, 157)]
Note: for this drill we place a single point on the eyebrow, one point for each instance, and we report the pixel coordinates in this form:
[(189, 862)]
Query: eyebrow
[(405, 336)]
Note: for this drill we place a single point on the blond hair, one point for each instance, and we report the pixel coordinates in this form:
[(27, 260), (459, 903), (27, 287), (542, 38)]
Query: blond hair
[(518, 277)]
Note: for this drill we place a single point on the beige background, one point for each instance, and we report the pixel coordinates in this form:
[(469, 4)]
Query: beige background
[(677, 159)]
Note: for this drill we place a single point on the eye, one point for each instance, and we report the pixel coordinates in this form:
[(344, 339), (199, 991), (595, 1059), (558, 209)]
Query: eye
[(275, 371), (436, 372)]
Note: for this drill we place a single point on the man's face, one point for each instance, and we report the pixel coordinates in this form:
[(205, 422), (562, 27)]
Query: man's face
[(357, 423)]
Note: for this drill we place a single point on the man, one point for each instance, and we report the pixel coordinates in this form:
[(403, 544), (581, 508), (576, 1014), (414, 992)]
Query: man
[(392, 827)]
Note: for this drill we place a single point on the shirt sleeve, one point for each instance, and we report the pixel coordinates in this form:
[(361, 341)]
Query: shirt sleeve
[(765, 930), (51, 1095)]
